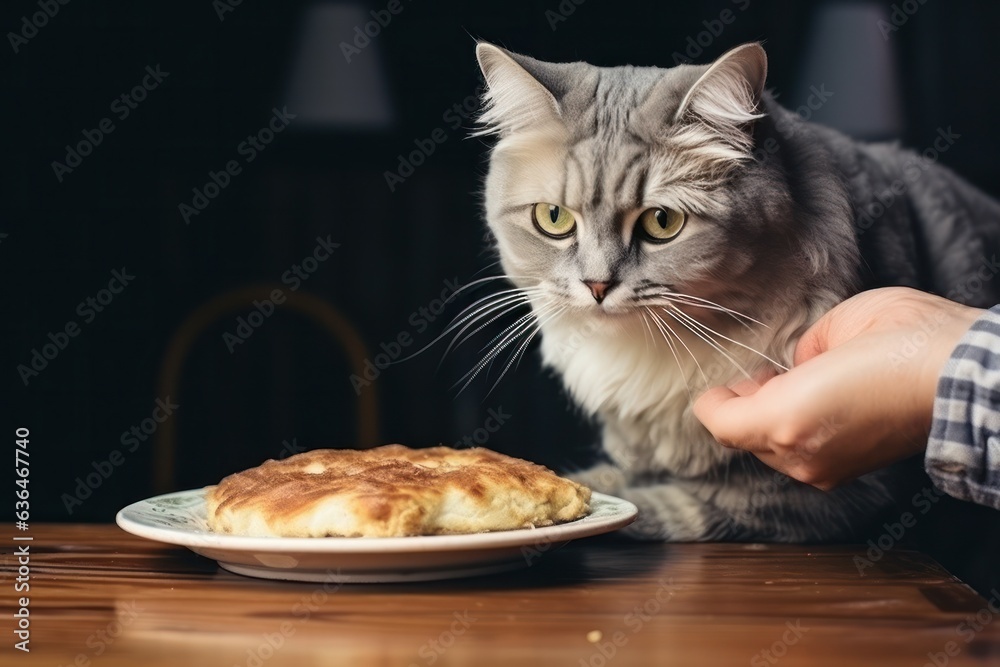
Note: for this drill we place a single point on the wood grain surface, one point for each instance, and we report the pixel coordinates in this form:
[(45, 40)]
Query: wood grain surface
[(102, 597)]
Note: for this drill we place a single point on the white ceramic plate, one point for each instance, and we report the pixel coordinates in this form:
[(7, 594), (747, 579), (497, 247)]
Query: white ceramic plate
[(179, 518)]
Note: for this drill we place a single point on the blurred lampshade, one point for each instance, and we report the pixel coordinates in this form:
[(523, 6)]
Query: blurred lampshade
[(326, 90), (848, 55)]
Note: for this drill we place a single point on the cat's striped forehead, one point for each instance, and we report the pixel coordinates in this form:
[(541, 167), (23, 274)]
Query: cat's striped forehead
[(617, 171), (599, 174), (621, 144), (608, 143)]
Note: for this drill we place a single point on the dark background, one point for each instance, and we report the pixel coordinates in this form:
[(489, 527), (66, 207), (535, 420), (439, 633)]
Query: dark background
[(289, 381)]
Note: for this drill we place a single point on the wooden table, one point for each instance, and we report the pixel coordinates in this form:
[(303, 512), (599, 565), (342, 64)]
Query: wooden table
[(102, 597)]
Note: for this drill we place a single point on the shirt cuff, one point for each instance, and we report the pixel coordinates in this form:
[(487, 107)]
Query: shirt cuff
[(963, 451)]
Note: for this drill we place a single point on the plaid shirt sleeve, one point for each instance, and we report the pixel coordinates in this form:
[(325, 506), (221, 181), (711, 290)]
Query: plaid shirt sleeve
[(963, 452)]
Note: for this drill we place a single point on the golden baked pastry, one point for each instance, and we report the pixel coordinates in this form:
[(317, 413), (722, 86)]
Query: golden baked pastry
[(392, 491)]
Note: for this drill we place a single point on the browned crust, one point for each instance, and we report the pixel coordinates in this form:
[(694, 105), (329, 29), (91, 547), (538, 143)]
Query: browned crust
[(395, 490)]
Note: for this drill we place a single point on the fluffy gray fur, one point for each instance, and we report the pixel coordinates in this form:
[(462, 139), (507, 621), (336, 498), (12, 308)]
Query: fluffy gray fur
[(780, 229)]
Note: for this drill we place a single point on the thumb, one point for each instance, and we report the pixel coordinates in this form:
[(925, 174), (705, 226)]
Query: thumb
[(815, 341), (731, 419)]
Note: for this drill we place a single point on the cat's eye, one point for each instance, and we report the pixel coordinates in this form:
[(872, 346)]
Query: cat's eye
[(660, 225), (554, 221)]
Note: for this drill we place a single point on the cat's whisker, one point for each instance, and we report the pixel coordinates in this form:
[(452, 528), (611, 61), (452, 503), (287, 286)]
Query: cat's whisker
[(510, 305), (527, 316), (706, 303), (507, 309), (482, 310), (673, 299), (480, 281), (524, 345), (497, 349), (488, 266), (660, 321), (503, 304), (709, 329), (487, 360), (488, 300), (538, 328), (645, 321), (673, 351), (621, 328), (706, 338)]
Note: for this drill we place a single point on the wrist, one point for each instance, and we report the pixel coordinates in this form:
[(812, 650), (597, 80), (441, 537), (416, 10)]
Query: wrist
[(952, 323)]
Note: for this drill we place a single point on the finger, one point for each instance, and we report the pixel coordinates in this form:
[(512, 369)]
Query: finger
[(732, 419), (814, 341), (791, 466), (749, 387), (775, 461)]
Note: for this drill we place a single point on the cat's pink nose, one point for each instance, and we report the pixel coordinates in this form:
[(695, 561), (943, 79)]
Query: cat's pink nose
[(598, 289)]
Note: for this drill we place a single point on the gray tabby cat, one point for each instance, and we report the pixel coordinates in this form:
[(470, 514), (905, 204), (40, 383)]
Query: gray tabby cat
[(673, 229)]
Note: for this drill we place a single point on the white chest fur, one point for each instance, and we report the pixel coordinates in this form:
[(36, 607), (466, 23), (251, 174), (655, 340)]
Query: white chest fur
[(628, 376)]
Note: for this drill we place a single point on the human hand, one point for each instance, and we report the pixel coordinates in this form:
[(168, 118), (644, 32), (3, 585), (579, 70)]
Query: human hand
[(860, 395)]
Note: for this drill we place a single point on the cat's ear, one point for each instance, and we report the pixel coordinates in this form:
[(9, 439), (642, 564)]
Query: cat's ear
[(727, 97), (730, 89), (520, 91)]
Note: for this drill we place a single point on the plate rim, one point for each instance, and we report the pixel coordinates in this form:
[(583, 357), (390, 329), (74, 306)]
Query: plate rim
[(563, 532)]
